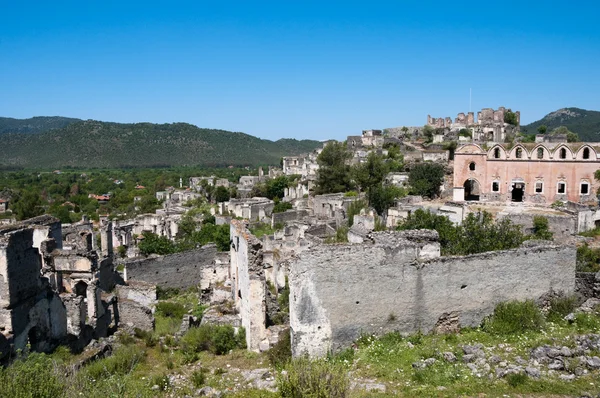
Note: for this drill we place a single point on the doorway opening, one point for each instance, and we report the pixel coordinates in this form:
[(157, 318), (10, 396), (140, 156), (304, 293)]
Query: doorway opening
[(472, 190), (518, 190)]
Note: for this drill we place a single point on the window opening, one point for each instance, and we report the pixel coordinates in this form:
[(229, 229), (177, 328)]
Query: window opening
[(497, 153), (563, 153), (562, 187), (586, 153), (519, 153), (585, 188), (495, 186), (539, 187), (472, 166), (540, 153)]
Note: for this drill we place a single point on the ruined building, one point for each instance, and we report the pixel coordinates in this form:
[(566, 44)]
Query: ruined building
[(535, 173), (489, 126)]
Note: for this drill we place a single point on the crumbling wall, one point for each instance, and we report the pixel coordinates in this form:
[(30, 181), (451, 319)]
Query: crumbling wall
[(248, 282), (137, 302), (338, 292), (561, 225), (179, 270)]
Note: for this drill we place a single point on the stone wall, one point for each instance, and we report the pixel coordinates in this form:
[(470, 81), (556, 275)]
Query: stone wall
[(561, 225), (338, 292), (179, 270)]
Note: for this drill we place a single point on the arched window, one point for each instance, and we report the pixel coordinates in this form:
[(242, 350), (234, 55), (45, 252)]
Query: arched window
[(563, 153), (540, 153), (519, 153), (586, 153), (472, 166), (497, 153)]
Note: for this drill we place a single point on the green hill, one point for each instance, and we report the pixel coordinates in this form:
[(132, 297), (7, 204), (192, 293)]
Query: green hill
[(100, 144), (37, 124), (583, 122)]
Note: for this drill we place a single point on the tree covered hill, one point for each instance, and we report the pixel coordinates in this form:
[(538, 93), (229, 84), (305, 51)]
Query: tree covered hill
[(113, 145), (583, 122), (37, 124)]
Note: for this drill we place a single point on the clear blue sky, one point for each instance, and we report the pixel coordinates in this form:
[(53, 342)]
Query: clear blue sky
[(301, 69)]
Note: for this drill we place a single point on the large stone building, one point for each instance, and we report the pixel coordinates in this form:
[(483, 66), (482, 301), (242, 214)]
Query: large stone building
[(535, 172)]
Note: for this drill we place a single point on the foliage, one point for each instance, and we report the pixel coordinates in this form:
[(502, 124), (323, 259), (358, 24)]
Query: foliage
[(198, 378), (221, 194), (514, 317), (428, 132), (102, 144), (281, 207), (281, 353), (170, 309), (313, 378), (261, 229), (426, 178), (465, 133), (371, 173), (381, 198), (541, 228), (333, 174), (218, 339), (510, 117), (585, 123), (341, 236), (478, 232), (28, 205), (588, 259), (33, 376), (542, 129), (561, 307), (121, 362), (353, 209), (154, 244)]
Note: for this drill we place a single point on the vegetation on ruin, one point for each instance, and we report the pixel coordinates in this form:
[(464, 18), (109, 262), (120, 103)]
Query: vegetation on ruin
[(334, 172), (541, 228), (510, 117), (477, 234), (414, 365), (261, 229), (65, 194), (93, 143), (588, 259)]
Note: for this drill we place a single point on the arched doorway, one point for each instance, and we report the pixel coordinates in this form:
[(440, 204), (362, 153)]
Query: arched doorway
[(472, 190)]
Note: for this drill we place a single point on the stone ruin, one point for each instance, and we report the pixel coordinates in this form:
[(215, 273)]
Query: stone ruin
[(397, 281), (55, 286), (488, 127)]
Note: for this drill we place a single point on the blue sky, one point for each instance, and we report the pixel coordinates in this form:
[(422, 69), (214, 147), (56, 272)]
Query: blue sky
[(301, 69)]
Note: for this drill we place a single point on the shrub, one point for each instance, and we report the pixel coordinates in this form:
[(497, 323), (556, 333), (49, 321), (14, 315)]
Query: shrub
[(170, 310), (166, 293), (218, 339), (516, 379), (587, 259), (198, 378), (561, 307), (34, 376), (314, 378), (514, 317), (281, 207), (541, 228), (122, 362), (281, 353), (162, 381)]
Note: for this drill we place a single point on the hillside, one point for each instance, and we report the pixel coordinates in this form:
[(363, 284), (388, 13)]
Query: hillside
[(37, 124), (583, 122), (101, 144)]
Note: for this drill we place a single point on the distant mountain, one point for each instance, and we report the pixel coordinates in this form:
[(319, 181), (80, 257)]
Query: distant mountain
[(113, 145), (583, 122), (37, 124)]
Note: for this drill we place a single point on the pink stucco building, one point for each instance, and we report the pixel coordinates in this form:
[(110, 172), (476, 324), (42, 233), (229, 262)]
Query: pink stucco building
[(532, 172)]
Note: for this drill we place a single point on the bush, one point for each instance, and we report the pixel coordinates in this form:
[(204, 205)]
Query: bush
[(587, 259), (198, 378), (170, 310), (281, 207), (34, 376), (561, 307), (314, 378), (218, 339), (516, 379), (426, 178), (122, 362), (514, 317), (541, 228), (281, 353)]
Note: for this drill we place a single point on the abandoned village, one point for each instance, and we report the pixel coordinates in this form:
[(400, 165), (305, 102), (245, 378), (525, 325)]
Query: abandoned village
[(332, 267)]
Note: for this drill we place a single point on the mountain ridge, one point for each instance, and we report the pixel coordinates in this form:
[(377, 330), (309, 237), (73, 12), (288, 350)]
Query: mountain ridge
[(585, 123), (92, 143)]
